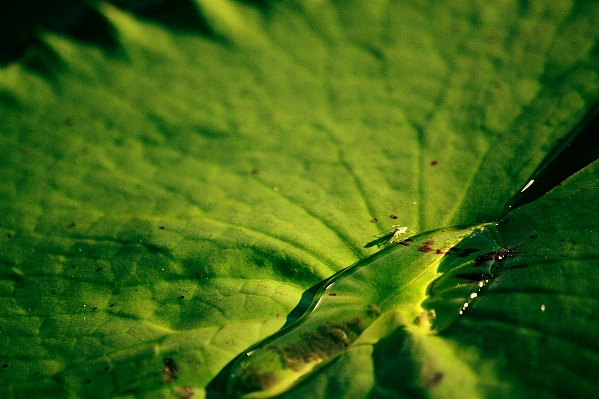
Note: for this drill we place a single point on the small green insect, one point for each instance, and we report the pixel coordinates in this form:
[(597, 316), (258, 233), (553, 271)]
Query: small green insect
[(397, 232)]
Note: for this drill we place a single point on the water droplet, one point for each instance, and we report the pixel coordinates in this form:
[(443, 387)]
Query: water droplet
[(527, 185)]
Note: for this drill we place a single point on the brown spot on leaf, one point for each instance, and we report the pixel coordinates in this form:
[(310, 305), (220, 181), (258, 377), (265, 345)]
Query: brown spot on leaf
[(425, 248), (170, 368), (374, 310), (185, 393), (432, 380), (252, 379), (327, 340)]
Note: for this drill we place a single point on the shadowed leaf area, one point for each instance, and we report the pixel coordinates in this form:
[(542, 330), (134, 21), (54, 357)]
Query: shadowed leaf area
[(175, 175)]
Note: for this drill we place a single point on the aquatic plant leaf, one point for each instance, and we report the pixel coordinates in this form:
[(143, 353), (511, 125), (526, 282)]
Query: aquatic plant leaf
[(251, 155)]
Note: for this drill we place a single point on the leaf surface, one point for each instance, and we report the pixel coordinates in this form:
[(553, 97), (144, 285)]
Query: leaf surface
[(167, 195)]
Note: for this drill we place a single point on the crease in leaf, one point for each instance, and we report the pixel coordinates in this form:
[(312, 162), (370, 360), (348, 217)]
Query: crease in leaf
[(401, 279), (570, 154)]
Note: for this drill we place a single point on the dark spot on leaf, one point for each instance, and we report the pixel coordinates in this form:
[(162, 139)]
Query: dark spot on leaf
[(255, 171), (186, 393), (252, 379), (425, 248), (98, 269), (278, 315), (69, 121), (332, 294), (374, 310), (9, 235), (88, 381), (563, 240), (393, 216), (152, 248), (111, 305), (373, 220), (182, 296), (170, 368), (94, 308), (71, 225), (327, 340), (106, 368), (161, 227), (534, 236), (432, 381), (433, 163), (4, 365)]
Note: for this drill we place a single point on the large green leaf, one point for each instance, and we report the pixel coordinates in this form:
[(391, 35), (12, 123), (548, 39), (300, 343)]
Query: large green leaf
[(167, 195)]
